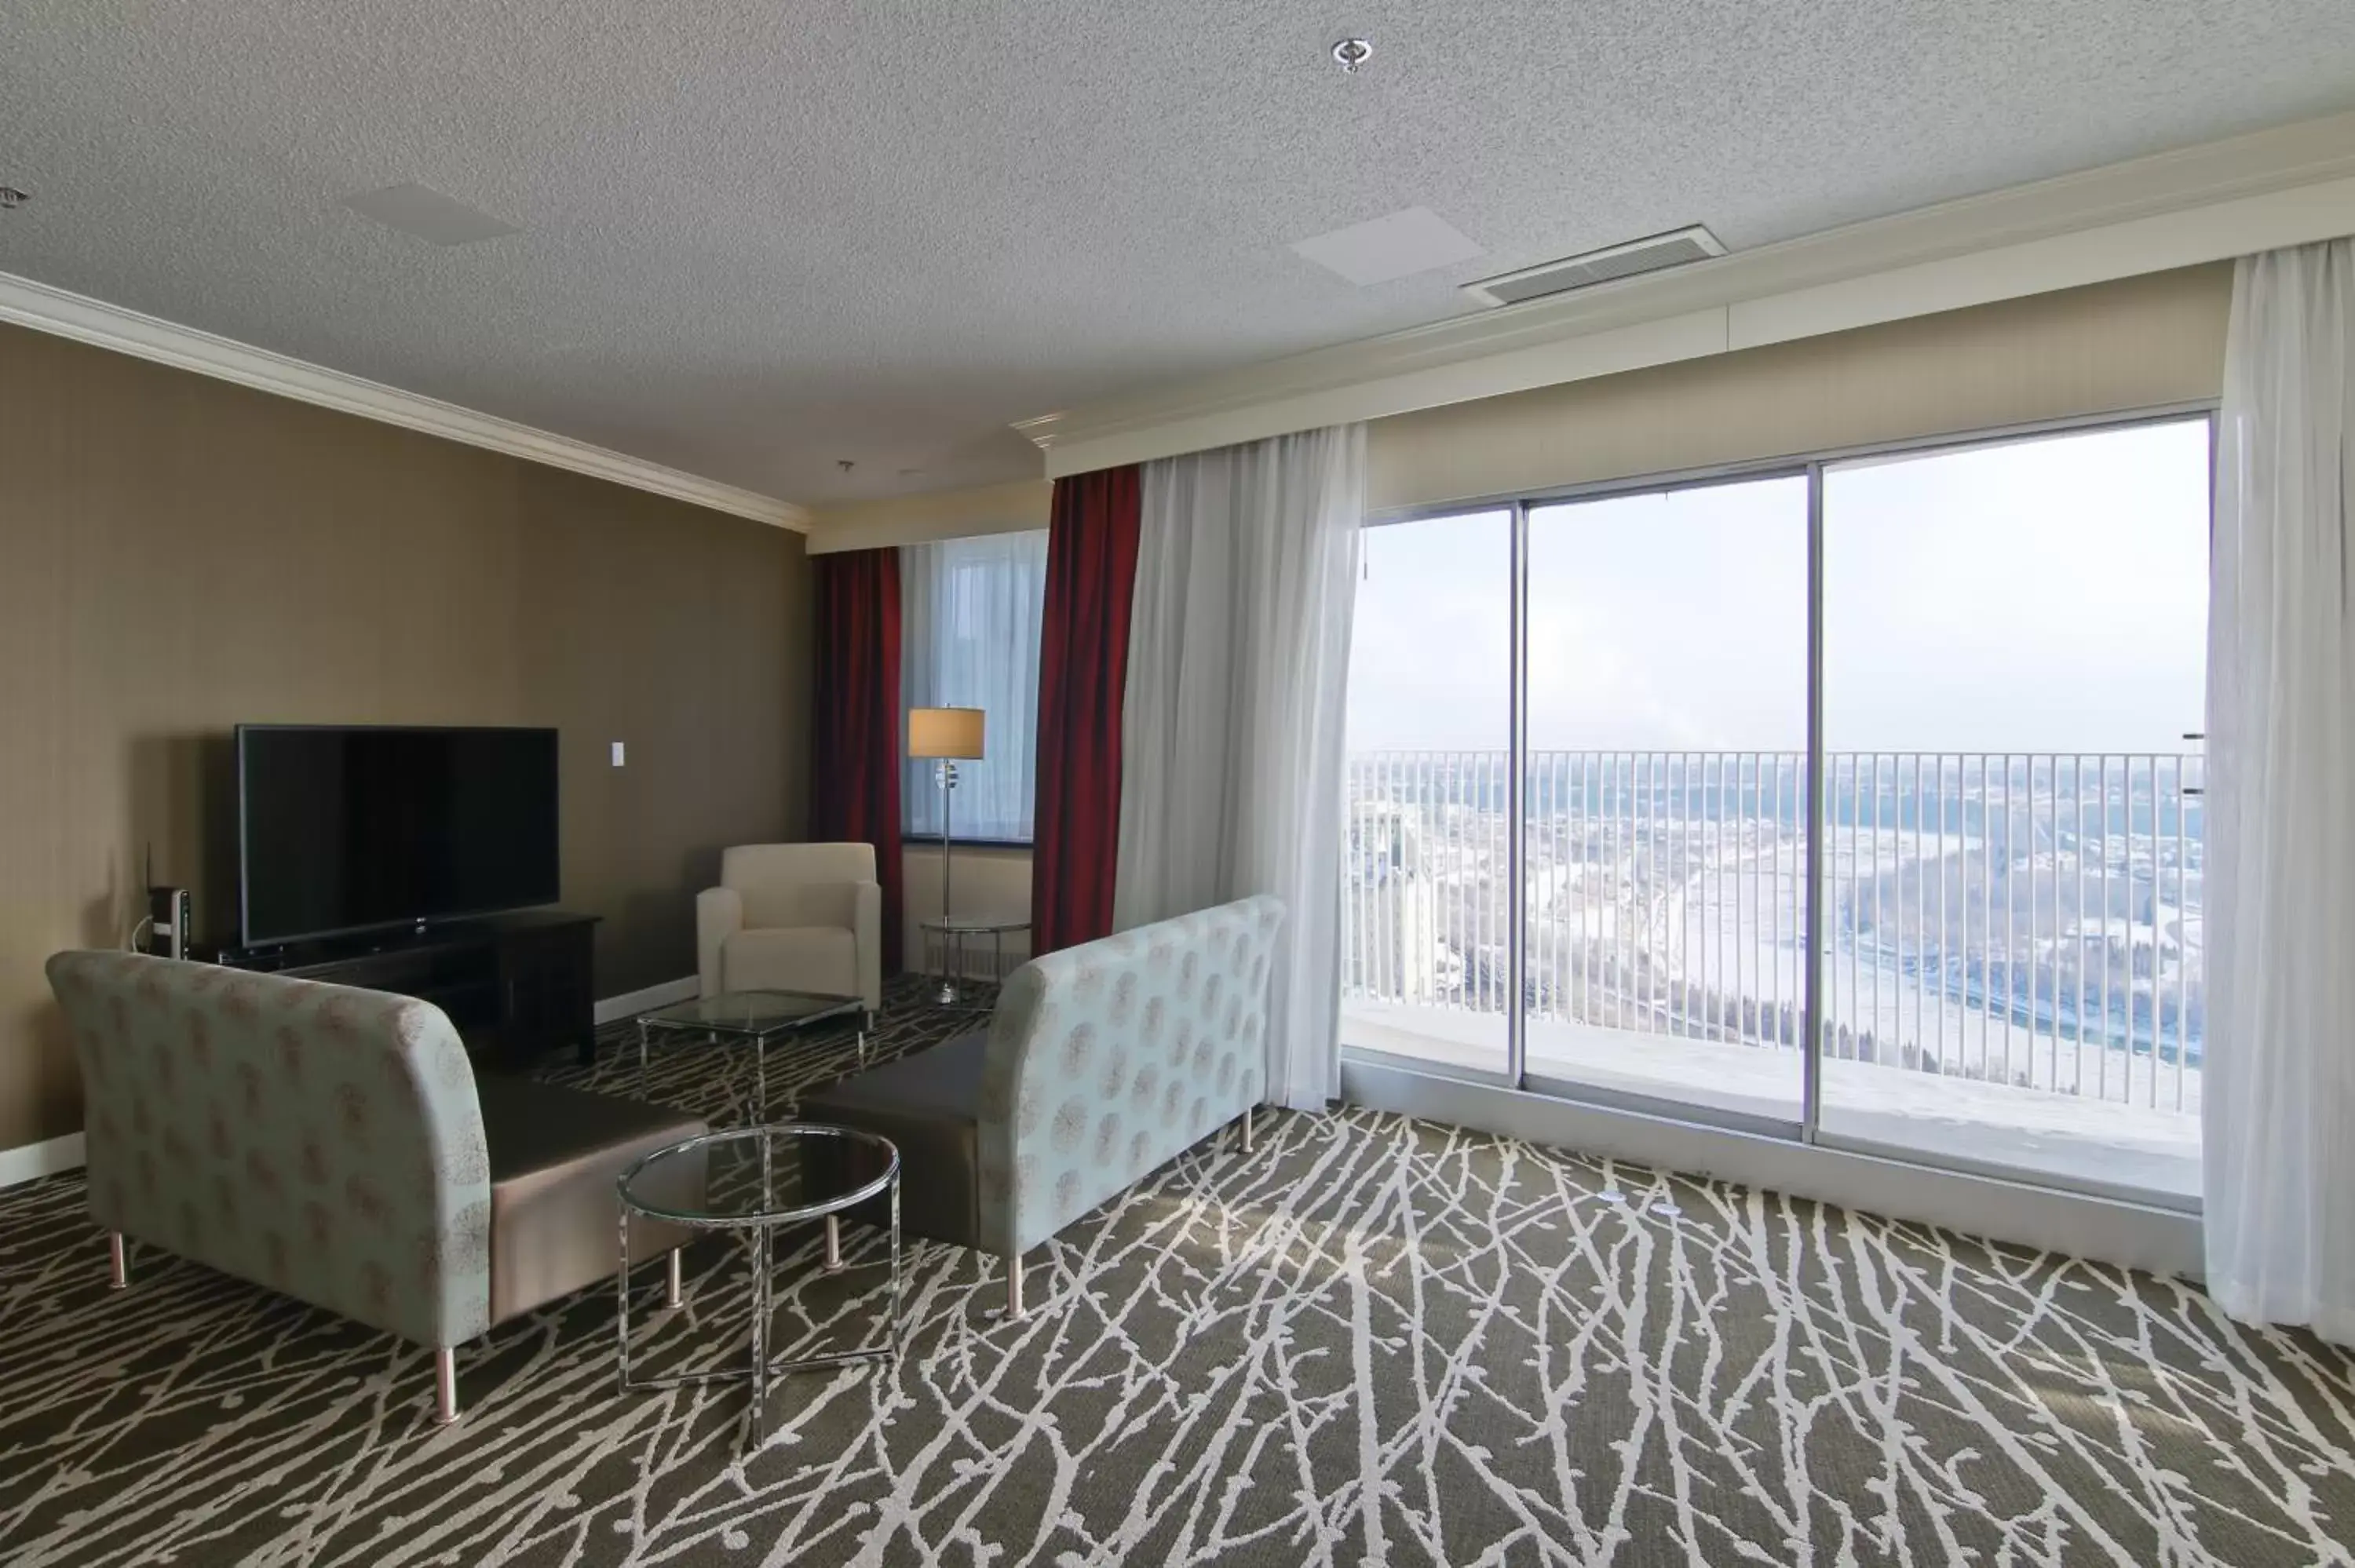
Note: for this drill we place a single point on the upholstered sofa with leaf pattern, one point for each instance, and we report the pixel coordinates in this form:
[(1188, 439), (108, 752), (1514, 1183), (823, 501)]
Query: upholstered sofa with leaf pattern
[(334, 1145), (1102, 1063)]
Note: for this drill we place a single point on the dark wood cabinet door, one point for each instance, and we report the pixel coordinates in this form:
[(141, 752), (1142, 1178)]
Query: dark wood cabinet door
[(548, 990)]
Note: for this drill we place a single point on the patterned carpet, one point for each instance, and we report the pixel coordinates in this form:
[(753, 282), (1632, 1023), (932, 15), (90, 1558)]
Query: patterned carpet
[(1373, 1341)]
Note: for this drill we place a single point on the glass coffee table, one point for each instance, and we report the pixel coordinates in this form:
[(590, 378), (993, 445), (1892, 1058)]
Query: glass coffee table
[(752, 1181), (759, 1016)]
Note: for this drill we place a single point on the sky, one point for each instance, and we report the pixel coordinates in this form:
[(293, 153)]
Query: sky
[(2046, 595)]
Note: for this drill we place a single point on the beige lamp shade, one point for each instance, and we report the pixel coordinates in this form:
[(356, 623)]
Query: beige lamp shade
[(945, 732)]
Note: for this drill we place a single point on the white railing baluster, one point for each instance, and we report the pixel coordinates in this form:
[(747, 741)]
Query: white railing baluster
[(1908, 836), (1854, 1020), (1753, 839), (2150, 1076), (1774, 1019), (1615, 973), (1663, 904), (1576, 893), (1700, 878), (1713, 933), (1741, 848), (1872, 887), (2182, 934), (1642, 861), (1987, 911), (2108, 986), (2077, 946), (2049, 972), (1630, 858)]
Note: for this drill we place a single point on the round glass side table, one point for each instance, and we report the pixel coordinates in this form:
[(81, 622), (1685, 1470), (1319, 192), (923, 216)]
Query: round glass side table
[(949, 932), (752, 1181)]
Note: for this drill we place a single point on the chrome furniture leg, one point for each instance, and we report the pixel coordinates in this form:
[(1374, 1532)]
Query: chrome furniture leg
[(118, 1261), (760, 1312), (760, 1370), (1247, 1127), (897, 1334), (760, 1309), (674, 1286), (445, 1386), (1014, 1286), (833, 1244)]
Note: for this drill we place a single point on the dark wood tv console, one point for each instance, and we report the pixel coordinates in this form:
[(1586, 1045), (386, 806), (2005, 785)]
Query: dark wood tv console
[(515, 985)]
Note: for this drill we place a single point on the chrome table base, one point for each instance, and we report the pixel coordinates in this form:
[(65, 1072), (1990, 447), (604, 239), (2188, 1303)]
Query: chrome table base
[(760, 1370)]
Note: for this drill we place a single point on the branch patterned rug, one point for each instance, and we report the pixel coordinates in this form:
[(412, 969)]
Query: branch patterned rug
[(1372, 1340)]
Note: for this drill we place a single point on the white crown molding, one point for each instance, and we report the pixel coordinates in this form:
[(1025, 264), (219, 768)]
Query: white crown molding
[(66, 314), (2287, 186)]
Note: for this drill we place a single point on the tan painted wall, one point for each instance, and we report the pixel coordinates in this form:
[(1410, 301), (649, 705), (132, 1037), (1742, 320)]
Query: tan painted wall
[(944, 514), (988, 883), (2140, 343), (178, 555)]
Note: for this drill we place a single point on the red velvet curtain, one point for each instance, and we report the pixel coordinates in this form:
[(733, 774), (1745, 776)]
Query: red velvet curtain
[(1082, 669), (855, 723)]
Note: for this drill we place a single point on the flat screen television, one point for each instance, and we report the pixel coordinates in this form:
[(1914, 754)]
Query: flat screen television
[(359, 828)]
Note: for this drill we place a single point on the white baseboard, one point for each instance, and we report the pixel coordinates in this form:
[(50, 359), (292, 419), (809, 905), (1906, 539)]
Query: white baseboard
[(2132, 1236), (613, 1009), (36, 1160)]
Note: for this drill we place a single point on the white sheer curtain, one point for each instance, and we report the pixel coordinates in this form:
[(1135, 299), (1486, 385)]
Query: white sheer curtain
[(969, 613), (2279, 1074), (1231, 765)]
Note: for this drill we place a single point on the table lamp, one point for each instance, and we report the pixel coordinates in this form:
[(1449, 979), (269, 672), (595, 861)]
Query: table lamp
[(950, 736)]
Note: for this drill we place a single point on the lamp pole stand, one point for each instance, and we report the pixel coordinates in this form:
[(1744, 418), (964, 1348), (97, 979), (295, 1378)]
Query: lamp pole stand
[(949, 993)]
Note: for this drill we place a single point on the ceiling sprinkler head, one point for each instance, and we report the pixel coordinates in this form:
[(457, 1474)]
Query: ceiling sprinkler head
[(11, 198), (1351, 53), (845, 464)]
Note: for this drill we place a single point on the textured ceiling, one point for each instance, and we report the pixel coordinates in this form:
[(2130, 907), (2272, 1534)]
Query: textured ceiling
[(759, 237)]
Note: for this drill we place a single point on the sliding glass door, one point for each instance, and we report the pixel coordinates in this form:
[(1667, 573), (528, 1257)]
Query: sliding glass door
[(2014, 639), (1614, 757), (1665, 823), (1426, 937)]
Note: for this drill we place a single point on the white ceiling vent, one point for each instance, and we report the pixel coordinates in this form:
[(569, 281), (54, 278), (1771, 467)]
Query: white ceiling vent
[(1649, 254), (426, 213)]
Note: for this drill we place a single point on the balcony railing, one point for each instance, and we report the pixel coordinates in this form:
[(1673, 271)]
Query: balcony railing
[(2025, 919)]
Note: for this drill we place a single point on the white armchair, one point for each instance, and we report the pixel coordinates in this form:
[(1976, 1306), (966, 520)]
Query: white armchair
[(793, 918)]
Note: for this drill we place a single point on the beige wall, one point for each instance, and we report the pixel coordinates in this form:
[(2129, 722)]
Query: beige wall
[(944, 514), (178, 555), (987, 881), (2139, 342)]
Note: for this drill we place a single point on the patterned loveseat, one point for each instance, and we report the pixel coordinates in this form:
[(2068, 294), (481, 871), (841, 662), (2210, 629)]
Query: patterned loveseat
[(334, 1145), (1102, 1063)]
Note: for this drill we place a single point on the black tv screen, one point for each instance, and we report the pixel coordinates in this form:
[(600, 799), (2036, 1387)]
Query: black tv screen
[(359, 828)]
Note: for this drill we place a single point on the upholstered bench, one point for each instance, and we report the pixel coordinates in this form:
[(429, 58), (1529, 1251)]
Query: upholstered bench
[(929, 1105), (1102, 1063), (555, 1155)]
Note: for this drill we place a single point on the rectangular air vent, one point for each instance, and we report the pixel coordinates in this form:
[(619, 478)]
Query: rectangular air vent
[(1649, 254)]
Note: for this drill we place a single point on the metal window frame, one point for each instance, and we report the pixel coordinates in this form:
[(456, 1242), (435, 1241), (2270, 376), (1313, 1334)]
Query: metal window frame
[(1815, 468), (1791, 464)]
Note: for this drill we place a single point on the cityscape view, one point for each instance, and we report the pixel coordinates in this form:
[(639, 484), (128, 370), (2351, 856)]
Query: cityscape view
[(2012, 891), (2028, 920)]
